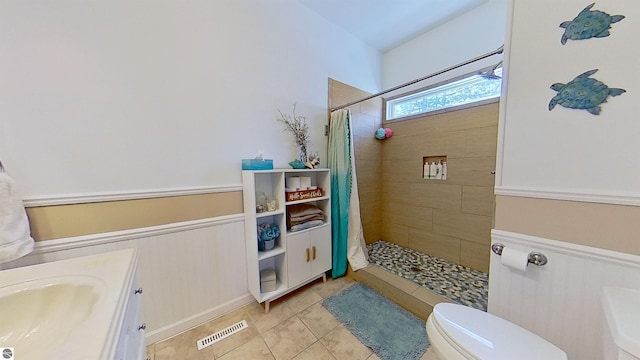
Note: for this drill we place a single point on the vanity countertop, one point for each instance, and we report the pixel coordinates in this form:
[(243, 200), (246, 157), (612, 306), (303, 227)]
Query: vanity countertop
[(67, 309)]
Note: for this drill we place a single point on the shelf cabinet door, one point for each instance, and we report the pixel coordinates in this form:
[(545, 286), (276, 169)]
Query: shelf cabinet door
[(320, 250), (298, 257), (301, 248)]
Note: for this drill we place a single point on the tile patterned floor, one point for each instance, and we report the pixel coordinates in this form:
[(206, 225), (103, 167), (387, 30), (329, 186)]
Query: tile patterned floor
[(458, 283), (296, 328)]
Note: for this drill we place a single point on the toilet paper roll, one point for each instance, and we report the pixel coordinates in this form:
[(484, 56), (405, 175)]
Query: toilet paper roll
[(514, 258), (305, 182), (293, 182)]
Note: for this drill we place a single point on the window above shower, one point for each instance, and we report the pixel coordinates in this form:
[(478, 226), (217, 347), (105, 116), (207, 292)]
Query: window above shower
[(469, 90)]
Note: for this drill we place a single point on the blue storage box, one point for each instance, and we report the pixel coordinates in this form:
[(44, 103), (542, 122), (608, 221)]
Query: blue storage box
[(257, 164)]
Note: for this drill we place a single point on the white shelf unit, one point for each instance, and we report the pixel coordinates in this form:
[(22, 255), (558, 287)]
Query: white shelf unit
[(297, 257)]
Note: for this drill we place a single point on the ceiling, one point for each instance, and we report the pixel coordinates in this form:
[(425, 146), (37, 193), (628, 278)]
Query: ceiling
[(385, 24)]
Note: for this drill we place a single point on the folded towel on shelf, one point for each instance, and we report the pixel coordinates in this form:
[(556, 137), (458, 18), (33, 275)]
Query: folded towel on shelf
[(301, 219), (306, 225), (302, 213), (15, 235), (302, 210), (291, 223)]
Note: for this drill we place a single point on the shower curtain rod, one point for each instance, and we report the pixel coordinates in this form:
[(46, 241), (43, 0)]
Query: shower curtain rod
[(489, 54)]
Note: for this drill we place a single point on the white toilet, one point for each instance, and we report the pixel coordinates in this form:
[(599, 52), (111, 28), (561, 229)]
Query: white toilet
[(622, 323), (458, 332)]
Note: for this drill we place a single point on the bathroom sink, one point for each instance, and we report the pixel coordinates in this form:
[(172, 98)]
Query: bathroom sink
[(40, 315), (72, 309)]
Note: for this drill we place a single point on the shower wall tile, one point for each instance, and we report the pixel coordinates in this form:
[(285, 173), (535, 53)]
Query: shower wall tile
[(366, 118), (368, 148), (398, 205), (478, 200), (437, 125), (409, 215), (367, 172), (370, 227), (462, 206), (452, 144), (371, 231), (474, 255), (397, 149), (396, 192), (442, 246), (341, 93), (471, 171), (372, 107), (408, 170), (364, 125), (471, 227), (399, 233), (465, 119), (480, 142), (437, 195)]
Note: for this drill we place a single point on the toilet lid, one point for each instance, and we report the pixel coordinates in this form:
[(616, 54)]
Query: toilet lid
[(486, 336)]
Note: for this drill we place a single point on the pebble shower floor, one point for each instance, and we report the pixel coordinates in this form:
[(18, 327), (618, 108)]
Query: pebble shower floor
[(461, 284)]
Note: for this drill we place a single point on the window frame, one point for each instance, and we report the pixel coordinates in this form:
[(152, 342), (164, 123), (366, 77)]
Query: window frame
[(434, 86)]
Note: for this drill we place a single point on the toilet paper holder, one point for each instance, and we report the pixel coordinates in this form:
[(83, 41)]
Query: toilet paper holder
[(535, 258)]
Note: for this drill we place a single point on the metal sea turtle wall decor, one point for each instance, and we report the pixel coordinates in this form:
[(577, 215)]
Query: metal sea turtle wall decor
[(583, 92), (589, 24)]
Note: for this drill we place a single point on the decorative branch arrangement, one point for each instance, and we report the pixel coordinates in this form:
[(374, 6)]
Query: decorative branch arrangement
[(297, 126)]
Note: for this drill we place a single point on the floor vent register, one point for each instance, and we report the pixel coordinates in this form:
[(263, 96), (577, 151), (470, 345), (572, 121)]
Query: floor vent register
[(214, 338)]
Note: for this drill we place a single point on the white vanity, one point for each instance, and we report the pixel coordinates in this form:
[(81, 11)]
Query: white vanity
[(80, 308)]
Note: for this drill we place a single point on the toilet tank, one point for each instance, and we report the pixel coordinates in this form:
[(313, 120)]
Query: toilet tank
[(621, 338)]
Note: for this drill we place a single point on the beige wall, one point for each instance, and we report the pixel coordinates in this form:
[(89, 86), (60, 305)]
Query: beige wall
[(550, 155), (60, 221), (451, 218), (367, 119), (54, 222), (605, 226)]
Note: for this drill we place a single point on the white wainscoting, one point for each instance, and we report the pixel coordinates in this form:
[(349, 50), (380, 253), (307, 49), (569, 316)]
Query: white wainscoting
[(559, 301), (191, 272)]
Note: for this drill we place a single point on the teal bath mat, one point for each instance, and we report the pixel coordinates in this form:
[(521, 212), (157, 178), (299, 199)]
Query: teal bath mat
[(390, 331)]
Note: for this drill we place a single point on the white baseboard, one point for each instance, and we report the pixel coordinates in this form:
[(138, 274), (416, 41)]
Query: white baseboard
[(171, 330)]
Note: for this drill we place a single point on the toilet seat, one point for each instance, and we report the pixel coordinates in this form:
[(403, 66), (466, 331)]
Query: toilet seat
[(474, 334)]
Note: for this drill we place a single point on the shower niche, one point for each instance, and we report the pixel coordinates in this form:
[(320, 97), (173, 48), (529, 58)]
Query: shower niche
[(434, 167)]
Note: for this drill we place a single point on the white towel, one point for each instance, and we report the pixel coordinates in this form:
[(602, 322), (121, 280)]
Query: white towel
[(15, 236)]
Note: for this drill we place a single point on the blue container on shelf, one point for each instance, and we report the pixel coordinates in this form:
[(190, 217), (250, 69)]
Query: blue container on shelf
[(257, 164), (268, 236)]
